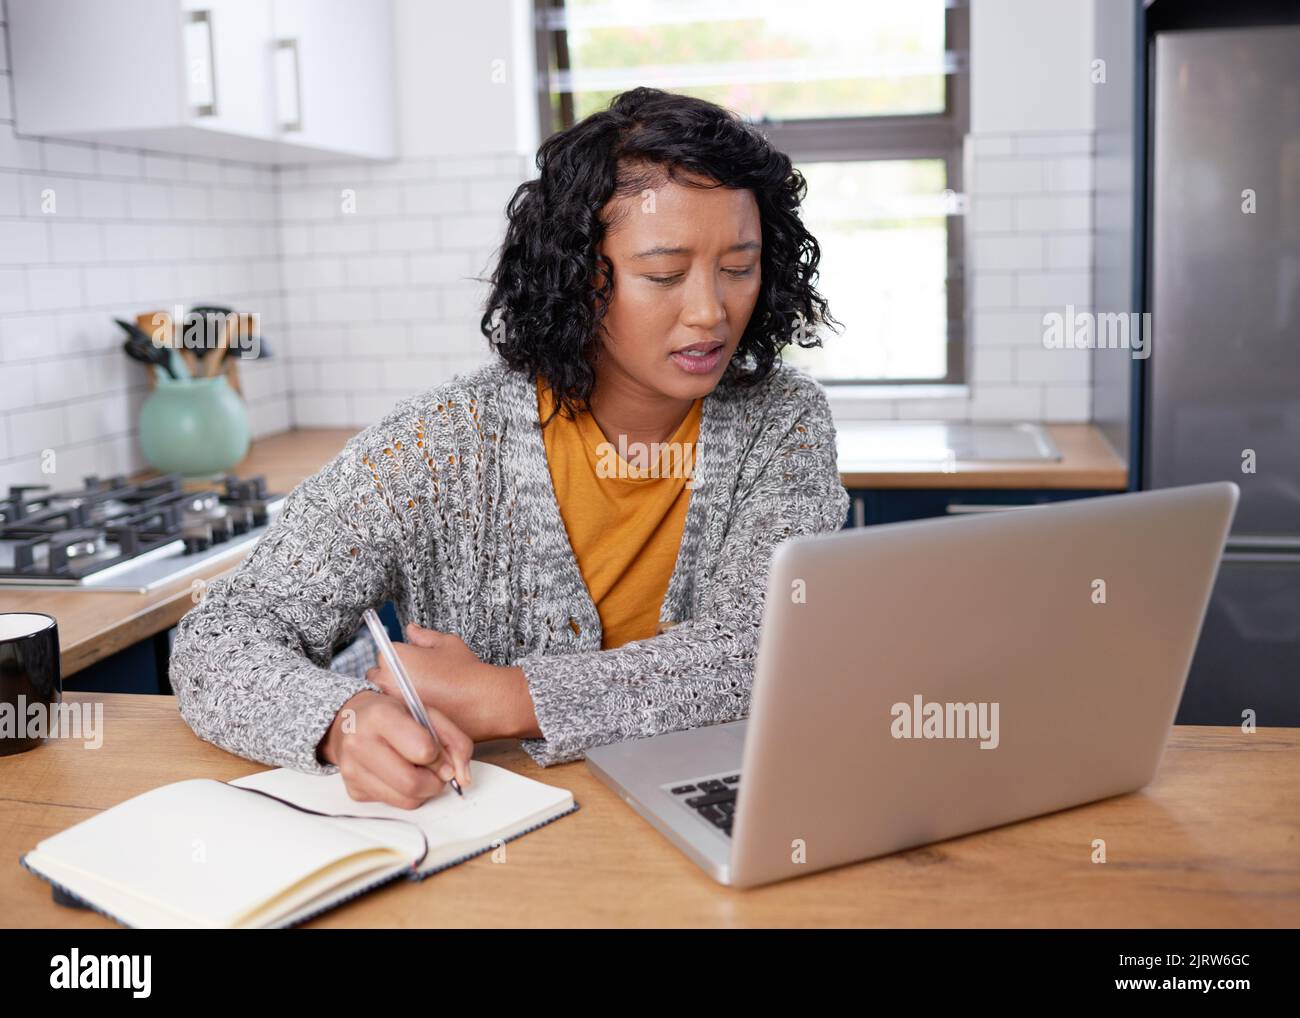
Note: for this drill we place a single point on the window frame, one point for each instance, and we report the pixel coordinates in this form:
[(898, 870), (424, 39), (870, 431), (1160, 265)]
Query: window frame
[(844, 139)]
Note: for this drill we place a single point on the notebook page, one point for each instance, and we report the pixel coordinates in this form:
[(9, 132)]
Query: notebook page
[(147, 915), (497, 803), (202, 850)]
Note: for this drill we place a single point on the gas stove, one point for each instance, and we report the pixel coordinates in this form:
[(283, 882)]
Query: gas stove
[(124, 536)]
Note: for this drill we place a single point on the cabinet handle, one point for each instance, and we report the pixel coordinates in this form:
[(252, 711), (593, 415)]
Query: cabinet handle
[(958, 508), (291, 45), (859, 511), (204, 18), (1264, 543)]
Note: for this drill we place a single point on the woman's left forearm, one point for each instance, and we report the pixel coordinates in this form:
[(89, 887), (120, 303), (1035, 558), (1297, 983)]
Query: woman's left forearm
[(523, 716)]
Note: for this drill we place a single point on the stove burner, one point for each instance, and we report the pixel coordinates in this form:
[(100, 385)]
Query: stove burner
[(65, 538)]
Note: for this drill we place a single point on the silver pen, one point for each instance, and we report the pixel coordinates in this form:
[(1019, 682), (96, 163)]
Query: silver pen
[(413, 702)]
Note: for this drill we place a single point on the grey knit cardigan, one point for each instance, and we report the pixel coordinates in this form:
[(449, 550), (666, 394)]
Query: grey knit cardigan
[(446, 507)]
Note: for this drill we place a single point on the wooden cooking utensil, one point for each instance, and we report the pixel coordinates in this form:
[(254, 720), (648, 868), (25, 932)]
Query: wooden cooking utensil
[(212, 363), (245, 330)]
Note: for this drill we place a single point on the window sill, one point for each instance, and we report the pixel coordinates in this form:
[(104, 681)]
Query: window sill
[(849, 401)]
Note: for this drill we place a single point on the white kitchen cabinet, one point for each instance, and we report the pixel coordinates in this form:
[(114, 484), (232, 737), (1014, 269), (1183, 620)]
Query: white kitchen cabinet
[(335, 57), (275, 81)]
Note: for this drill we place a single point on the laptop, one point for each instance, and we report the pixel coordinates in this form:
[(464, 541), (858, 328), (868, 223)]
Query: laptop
[(918, 681)]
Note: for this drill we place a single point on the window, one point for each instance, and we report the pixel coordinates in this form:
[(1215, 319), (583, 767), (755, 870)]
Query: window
[(869, 99)]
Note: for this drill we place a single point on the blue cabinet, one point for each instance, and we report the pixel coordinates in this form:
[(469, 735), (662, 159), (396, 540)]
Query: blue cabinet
[(869, 506), (143, 666), (139, 668)]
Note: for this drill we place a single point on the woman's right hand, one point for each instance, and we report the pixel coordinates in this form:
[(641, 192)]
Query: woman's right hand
[(385, 755)]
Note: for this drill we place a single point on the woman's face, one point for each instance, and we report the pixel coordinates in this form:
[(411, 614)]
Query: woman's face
[(687, 271)]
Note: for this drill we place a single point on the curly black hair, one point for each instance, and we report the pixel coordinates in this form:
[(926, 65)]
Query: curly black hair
[(551, 288)]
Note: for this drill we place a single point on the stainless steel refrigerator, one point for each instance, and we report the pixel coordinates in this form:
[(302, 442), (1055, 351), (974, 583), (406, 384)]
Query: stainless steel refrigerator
[(1221, 394)]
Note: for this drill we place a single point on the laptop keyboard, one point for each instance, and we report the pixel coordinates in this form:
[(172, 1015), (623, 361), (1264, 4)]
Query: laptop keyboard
[(713, 799)]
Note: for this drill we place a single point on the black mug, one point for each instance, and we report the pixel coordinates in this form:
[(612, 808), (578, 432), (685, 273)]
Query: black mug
[(29, 673)]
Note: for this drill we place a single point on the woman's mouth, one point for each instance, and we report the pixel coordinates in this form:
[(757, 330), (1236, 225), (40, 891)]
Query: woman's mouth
[(699, 359)]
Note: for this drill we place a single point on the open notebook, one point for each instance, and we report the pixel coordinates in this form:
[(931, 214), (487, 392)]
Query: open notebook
[(205, 853)]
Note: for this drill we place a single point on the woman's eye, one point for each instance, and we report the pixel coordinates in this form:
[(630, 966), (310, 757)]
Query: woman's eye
[(669, 280)]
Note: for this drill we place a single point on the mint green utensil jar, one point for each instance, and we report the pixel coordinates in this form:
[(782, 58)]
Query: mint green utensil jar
[(194, 426)]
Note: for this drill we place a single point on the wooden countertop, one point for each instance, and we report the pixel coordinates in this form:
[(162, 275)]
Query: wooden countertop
[(93, 626), (1211, 842)]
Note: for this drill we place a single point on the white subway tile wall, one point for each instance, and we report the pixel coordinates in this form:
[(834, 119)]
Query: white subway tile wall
[(379, 270), (93, 232), (1029, 253)]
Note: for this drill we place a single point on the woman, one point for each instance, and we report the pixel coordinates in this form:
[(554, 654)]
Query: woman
[(554, 591)]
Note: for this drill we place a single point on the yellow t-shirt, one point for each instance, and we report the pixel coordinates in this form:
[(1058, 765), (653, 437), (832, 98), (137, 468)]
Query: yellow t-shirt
[(625, 525)]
